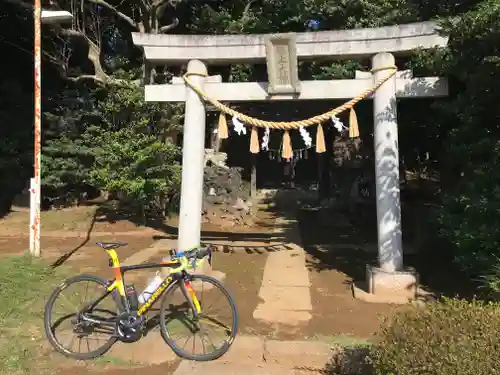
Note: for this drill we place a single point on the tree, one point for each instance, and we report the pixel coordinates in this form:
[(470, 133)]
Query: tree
[(98, 26), (71, 106), (469, 215), (114, 142)]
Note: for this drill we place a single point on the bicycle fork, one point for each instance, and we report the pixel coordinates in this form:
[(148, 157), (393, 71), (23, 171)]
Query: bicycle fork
[(193, 302)]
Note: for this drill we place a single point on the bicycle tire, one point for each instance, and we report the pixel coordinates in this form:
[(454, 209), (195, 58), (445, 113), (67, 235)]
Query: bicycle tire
[(48, 313), (182, 353)]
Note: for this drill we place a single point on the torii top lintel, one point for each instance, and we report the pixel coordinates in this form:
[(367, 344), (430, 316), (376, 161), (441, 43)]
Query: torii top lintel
[(341, 44)]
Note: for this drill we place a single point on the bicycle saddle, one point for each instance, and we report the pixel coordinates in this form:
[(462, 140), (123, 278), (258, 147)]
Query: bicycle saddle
[(111, 245)]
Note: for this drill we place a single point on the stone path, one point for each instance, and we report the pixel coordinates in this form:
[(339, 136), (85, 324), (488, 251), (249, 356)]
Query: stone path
[(252, 355), (258, 356), (285, 289), (246, 350)]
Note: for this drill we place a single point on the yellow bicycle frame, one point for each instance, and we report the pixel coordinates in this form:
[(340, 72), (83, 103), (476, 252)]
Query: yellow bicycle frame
[(119, 284)]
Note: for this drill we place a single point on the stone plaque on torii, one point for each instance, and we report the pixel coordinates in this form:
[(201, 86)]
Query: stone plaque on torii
[(389, 281), (281, 58)]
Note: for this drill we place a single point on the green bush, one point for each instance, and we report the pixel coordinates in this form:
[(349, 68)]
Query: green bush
[(118, 144), (137, 168), (452, 337)]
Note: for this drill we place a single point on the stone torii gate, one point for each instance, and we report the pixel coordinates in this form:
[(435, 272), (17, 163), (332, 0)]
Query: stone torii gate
[(388, 282)]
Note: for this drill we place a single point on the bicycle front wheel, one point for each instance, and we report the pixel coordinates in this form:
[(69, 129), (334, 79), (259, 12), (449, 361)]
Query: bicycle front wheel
[(212, 334)]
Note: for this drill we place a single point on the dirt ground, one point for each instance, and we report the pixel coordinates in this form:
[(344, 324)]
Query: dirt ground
[(66, 239), (167, 368), (333, 265)]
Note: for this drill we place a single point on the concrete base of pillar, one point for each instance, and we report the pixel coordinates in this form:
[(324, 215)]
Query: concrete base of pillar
[(399, 287)]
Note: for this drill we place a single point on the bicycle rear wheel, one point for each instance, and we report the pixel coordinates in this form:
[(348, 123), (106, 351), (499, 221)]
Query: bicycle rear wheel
[(86, 340), (182, 333)]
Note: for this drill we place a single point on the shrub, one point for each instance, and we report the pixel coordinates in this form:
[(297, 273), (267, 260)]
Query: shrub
[(452, 337), (135, 167)]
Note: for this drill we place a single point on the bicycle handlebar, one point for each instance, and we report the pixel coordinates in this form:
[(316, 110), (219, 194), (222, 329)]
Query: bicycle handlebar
[(198, 253), (193, 255)]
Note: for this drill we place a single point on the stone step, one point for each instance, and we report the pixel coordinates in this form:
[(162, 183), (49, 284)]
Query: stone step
[(150, 350), (220, 368)]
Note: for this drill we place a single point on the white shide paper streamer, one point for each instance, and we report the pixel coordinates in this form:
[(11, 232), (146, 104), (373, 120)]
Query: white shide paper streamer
[(306, 137), (265, 140), (239, 127), (338, 124)]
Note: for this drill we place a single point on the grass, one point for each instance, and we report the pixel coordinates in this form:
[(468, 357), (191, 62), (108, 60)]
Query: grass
[(345, 341), (107, 359), (25, 285)]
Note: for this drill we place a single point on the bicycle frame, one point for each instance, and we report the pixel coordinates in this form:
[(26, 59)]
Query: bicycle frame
[(118, 284)]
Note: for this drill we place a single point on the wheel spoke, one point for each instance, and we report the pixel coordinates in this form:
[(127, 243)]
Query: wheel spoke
[(210, 334), (97, 337)]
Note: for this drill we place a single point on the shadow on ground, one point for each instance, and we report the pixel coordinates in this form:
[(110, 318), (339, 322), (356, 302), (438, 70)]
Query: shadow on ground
[(212, 234), (349, 248), (346, 241), (63, 258), (335, 239)]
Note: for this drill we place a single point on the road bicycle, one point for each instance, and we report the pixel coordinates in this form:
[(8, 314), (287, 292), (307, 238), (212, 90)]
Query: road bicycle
[(117, 313)]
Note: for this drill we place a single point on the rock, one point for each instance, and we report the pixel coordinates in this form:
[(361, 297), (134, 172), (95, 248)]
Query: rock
[(240, 205), (226, 195), (215, 158)]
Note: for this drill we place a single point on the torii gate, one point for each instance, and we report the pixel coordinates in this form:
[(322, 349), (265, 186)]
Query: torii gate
[(389, 281)]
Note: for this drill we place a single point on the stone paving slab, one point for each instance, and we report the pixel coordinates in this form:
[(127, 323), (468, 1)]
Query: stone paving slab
[(150, 350), (286, 265), (285, 298), (282, 301), (289, 318), (310, 354), (217, 368), (245, 349)]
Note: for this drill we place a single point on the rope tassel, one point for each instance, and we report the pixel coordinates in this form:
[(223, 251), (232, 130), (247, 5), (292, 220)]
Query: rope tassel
[(223, 132), (353, 124), (286, 151), (254, 140), (320, 140)]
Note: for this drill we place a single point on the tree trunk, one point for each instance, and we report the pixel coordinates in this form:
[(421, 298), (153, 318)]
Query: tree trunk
[(95, 58)]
